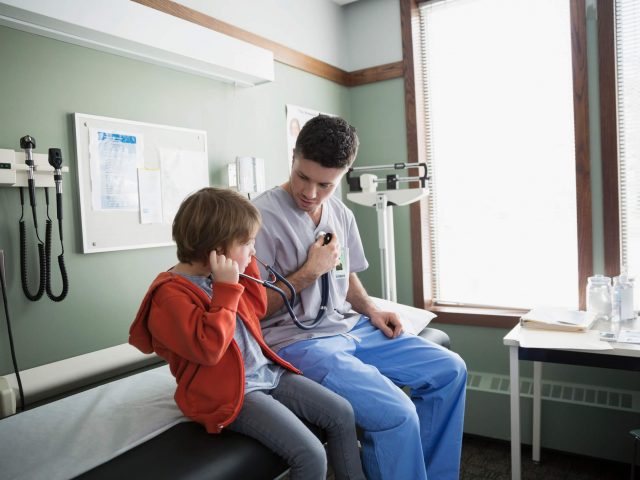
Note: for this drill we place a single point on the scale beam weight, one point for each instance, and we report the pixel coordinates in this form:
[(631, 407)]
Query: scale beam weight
[(363, 192)]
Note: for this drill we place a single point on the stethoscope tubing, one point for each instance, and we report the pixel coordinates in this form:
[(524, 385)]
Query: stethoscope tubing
[(289, 302)]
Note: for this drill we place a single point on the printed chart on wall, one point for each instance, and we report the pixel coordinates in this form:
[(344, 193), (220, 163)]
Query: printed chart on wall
[(132, 177), (296, 118)]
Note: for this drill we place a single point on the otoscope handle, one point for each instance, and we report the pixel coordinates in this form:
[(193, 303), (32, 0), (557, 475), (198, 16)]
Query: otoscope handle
[(31, 183), (55, 160), (28, 143), (59, 205)]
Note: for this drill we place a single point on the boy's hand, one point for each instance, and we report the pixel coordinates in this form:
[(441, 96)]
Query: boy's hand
[(223, 269)]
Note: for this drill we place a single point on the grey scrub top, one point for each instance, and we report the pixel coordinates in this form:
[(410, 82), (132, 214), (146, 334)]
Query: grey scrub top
[(283, 242)]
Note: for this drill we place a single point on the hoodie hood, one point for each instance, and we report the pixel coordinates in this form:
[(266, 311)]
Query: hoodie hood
[(139, 334)]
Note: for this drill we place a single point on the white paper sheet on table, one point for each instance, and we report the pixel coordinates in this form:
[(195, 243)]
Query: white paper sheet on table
[(589, 340), (629, 336)]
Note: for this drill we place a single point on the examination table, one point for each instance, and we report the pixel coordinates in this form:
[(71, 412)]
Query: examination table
[(131, 428), (186, 451)]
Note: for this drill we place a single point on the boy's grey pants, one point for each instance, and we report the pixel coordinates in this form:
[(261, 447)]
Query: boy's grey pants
[(271, 417)]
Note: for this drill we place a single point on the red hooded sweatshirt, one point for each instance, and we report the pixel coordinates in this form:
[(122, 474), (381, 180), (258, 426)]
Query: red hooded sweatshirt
[(194, 334)]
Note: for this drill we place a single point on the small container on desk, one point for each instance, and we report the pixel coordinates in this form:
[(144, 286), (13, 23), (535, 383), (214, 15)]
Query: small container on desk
[(622, 298), (599, 296)]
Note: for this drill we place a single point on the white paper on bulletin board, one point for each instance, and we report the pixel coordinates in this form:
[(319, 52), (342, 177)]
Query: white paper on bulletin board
[(114, 160), (132, 177)]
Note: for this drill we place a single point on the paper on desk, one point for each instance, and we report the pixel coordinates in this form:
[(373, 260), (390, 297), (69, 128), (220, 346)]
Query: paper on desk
[(558, 319), (589, 340), (629, 336)]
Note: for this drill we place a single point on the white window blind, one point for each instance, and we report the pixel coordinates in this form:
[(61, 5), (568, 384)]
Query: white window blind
[(628, 77), (498, 95)]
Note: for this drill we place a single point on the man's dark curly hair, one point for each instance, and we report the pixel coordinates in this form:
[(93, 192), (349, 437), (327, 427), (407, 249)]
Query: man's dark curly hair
[(329, 141)]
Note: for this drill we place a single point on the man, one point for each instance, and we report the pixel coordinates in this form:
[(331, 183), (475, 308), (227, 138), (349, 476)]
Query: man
[(356, 350)]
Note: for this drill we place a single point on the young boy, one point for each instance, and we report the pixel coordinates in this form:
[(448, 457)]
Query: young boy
[(204, 320)]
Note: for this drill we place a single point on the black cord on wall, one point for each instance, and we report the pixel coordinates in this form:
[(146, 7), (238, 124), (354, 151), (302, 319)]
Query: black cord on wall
[(6, 314)]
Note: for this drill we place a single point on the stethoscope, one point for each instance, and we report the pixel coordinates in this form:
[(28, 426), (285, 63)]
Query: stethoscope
[(274, 276)]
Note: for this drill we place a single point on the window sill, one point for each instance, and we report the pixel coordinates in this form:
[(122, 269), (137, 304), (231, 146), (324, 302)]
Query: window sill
[(479, 317)]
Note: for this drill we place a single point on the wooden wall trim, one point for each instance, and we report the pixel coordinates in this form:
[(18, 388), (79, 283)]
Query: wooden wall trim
[(376, 74), (281, 53), (582, 145), (609, 136), (476, 319)]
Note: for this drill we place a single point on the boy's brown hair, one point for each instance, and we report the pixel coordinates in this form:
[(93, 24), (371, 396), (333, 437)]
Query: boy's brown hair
[(210, 219)]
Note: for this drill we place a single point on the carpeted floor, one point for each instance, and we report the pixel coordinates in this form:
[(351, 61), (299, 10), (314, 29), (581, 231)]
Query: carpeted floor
[(488, 459)]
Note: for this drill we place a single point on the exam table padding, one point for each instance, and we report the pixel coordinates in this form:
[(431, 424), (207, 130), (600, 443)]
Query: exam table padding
[(69, 436)]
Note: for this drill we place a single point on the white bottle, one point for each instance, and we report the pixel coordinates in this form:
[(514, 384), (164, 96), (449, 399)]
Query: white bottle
[(622, 298)]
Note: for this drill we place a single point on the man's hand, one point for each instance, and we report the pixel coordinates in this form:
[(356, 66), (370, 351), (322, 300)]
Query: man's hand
[(223, 269), (388, 322), (322, 258)]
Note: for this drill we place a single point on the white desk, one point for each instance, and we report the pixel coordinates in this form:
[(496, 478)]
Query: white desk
[(623, 356)]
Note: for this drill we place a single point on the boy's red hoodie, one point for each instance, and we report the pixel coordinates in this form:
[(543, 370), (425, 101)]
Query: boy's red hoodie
[(194, 334)]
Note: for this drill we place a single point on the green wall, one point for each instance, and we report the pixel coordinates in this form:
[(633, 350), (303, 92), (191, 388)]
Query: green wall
[(43, 82)]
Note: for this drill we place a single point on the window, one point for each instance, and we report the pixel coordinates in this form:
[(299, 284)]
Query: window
[(509, 214), (619, 51)]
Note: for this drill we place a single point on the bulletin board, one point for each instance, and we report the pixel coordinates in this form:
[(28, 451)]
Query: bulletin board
[(132, 177)]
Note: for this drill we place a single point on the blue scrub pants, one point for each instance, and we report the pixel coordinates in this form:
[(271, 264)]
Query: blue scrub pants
[(405, 437)]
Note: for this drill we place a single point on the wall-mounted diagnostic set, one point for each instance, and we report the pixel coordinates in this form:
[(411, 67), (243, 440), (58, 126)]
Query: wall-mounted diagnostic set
[(37, 171)]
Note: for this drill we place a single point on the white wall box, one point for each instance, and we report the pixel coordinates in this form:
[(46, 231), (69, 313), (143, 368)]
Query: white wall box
[(126, 28)]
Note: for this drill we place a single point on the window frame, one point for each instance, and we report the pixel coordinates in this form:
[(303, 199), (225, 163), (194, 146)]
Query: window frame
[(420, 235), (609, 135)]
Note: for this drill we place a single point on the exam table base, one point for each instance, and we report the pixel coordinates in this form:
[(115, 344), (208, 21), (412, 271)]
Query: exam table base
[(186, 451)]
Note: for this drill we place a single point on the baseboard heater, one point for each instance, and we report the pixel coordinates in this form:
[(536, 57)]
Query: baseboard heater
[(574, 393)]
